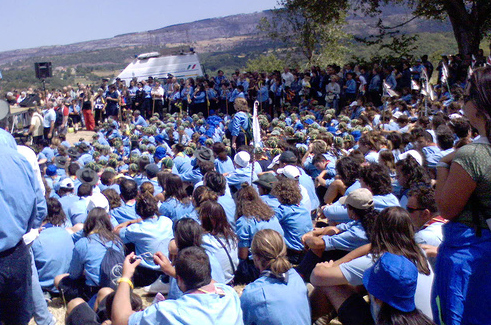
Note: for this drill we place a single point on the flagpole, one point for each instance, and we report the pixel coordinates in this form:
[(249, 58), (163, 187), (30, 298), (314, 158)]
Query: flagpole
[(254, 115)]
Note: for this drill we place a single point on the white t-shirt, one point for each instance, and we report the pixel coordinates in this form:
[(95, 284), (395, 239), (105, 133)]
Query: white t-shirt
[(37, 121)]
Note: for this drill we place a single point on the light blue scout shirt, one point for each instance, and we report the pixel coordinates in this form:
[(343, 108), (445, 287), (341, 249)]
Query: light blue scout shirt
[(338, 213), (140, 121), (182, 164), (174, 210), (239, 122), (247, 227), (372, 157), (223, 167), (211, 245), (48, 153), (77, 213), (432, 154), (296, 222), (150, 235), (306, 181), (67, 202), (49, 116), (87, 258), (270, 301), (352, 236), (125, 212), (239, 176), (53, 251), (228, 204), (271, 201), (193, 176), (194, 308), (85, 159)]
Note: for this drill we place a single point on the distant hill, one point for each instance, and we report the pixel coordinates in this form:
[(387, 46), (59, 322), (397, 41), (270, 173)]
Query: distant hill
[(226, 32)]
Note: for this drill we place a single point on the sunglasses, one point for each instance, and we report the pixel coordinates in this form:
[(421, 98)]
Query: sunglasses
[(411, 210)]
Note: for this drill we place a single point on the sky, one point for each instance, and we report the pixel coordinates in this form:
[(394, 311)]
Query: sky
[(33, 23)]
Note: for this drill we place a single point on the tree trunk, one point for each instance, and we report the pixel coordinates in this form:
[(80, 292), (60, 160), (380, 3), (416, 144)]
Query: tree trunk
[(466, 26)]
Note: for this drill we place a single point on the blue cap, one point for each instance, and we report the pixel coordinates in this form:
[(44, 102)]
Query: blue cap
[(393, 280), (356, 134), (331, 129), (202, 140), (51, 170), (159, 138), (160, 152), (209, 133), (309, 121)]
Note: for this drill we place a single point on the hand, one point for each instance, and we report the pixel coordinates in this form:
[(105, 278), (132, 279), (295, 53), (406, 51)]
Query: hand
[(305, 237), (50, 135), (129, 265), (164, 263), (234, 146), (431, 251), (326, 264), (318, 232)]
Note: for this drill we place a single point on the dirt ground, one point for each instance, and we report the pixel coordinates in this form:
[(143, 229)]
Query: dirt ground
[(75, 137)]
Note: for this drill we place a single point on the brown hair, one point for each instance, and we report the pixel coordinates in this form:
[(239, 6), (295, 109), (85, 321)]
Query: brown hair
[(249, 204), (112, 197), (214, 220), (146, 205), (479, 92), (393, 232), (202, 194), (269, 248), (287, 191), (147, 187)]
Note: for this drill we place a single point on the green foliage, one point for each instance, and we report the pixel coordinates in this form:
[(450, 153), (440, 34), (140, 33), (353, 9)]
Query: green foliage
[(266, 63)]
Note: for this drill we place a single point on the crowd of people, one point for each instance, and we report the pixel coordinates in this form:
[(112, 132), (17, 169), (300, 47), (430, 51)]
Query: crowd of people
[(352, 191)]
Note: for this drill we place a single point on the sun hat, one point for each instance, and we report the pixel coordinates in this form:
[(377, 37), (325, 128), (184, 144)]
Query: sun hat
[(289, 171), (87, 176), (160, 152), (242, 158), (266, 180), (204, 154), (393, 279), (61, 162), (152, 170), (73, 153), (360, 198)]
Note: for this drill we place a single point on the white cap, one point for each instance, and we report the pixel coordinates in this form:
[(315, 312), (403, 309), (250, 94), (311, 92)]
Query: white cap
[(355, 103), (289, 171), (276, 160), (416, 155), (242, 158), (98, 200), (67, 183)]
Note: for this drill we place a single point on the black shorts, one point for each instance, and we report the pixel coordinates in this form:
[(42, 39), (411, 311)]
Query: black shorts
[(71, 289), (355, 311), (83, 315)]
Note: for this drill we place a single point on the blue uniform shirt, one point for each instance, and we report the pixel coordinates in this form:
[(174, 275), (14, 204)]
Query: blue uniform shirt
[(228, 204), (247, 227), (125, 212), (352, 236), (239, 122), (174, 209), (223, 167), (271, 301), (296, 222)]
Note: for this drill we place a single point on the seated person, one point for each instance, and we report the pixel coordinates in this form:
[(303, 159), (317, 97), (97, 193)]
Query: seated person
[(126, 212), (279, 295), (204, 302)]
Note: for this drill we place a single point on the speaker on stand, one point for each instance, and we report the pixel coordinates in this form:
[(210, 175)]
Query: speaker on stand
[(43, 71)]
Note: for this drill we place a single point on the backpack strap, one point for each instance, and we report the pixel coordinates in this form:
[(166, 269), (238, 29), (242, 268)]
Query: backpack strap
[(228, 254)]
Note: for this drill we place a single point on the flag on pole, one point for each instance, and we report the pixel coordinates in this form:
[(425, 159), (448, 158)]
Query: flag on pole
[(444, 73), (474, 61), (470, 71), (488, 61), (388, 91), (1, 77), (256, 130), (414, 85)]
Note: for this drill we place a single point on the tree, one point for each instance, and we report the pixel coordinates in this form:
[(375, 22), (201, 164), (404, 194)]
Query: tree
[(302, 28), (265, 63), (470, 19)]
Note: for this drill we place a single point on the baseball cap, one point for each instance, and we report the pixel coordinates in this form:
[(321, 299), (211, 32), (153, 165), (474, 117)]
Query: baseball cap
[(393, 279), (242, 158), (289, 171), (416, 155), (160, 152), (266, 180), (98, 200), (288, 157), (360, 198), (51, 170), (66, 183)]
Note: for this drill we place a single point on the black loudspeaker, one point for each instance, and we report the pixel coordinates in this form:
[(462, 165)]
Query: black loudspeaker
[(43, 70)]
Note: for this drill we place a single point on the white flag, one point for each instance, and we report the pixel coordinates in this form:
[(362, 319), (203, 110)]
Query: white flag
[(488, 61), (256, 130), (388, 91), (414, 85), (444, 73)]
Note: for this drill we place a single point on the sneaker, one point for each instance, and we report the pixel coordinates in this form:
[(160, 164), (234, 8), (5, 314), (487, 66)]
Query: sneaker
[(156, 287)]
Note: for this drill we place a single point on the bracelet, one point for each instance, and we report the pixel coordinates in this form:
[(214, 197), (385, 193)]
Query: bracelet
[(442, 164), (126, 280)]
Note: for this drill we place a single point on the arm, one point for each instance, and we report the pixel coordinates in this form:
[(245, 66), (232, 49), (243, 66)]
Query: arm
[(243, 253), (327, 274), (164, 263), (334, 190), (121, 310), (453, 188)]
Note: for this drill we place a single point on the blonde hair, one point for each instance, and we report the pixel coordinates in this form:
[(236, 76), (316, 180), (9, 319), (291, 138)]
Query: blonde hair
[(240, 105), (269, 248)]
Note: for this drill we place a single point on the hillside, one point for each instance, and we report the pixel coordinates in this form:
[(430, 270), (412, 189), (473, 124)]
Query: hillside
[(223, 43)]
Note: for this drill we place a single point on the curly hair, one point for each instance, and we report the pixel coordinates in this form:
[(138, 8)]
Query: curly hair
[(202, 194), (377, 177), (287, 191), (112, 197), (249, 204), (348, 170), (413, 171), (146, 205), (425, 196)]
